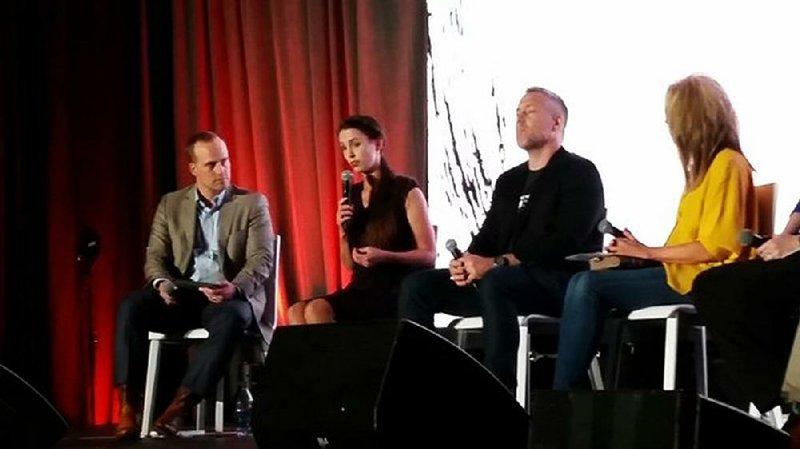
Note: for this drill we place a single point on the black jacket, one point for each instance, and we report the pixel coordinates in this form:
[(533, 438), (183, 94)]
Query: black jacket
[(560, 218)]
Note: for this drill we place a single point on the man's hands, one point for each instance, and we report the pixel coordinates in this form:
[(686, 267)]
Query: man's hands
[(165, 289), (224, 292), (469, 268)]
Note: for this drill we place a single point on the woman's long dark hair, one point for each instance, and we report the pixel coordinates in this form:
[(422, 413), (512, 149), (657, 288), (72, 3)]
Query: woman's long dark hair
[(380, 231)]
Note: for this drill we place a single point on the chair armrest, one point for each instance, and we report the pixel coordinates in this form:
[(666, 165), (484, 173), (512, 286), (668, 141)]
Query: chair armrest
[(661, 312)]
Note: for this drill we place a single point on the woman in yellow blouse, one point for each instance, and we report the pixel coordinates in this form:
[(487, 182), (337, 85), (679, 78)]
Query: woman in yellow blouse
[(717, 203)]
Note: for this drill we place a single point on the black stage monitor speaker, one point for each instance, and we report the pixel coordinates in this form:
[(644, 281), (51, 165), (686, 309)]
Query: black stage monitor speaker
[(27, 419), (644, 420), (379, 385)]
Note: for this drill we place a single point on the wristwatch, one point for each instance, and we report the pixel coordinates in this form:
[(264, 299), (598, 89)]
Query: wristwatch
[(501, 261)]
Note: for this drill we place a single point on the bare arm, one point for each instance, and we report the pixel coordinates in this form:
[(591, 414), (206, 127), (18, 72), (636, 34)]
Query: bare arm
[(687, 253), (343, 214), (793, 225), (423, 255), (417, 213)]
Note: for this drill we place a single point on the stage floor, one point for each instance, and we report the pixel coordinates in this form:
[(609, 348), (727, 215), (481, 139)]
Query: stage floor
[(100, 437)]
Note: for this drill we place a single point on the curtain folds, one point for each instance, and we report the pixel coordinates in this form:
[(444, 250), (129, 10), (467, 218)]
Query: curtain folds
[(275, 78), (96, 101)]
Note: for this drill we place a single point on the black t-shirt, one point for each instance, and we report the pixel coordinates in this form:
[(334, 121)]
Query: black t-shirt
[(530, 182)]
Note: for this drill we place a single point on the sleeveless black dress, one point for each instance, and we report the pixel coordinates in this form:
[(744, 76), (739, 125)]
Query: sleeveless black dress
[(372, 292)]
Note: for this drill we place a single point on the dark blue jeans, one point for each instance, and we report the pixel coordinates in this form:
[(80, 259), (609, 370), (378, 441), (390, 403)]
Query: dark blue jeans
[(591, 295), (502, 294)]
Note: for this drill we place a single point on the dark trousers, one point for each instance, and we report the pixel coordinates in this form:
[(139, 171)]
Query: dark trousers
[(144, 310), (502, 294), (751, 312)]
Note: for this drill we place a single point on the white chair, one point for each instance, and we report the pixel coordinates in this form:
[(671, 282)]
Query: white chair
[(153, 366), (195, 335), (524, 353), (671, 314)]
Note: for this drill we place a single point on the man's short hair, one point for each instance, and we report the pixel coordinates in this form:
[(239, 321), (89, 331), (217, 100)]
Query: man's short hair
[(200, 136), (553, 97)]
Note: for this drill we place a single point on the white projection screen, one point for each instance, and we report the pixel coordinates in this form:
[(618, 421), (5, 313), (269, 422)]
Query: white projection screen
[(611, 61)]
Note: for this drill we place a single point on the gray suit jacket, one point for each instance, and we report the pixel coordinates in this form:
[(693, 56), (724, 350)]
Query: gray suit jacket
[(245, 245)]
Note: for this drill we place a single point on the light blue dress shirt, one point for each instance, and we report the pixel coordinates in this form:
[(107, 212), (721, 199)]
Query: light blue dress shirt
[(207, 259)]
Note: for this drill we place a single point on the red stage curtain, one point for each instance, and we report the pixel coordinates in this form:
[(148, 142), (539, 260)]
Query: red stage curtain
[(80, 122), (96, 99), (101, 176), (274, 79)]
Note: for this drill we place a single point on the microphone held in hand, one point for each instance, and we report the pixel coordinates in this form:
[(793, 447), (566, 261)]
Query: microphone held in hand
[(347, 177), (452, 246), (751, 239), (606, 227)]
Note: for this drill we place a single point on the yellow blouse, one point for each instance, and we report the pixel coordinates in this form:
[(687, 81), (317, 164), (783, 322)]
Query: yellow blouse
[(713, 214)]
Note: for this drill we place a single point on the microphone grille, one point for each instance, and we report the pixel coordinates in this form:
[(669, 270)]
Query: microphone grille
[(604, 226), (746, 237), (450, 244), (347, 175)]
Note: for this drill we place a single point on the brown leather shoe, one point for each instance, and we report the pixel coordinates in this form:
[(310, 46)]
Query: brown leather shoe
[(129, 405), (166, 425)]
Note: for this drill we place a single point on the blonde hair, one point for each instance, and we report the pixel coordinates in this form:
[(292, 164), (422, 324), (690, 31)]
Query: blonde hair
[(702, 123)]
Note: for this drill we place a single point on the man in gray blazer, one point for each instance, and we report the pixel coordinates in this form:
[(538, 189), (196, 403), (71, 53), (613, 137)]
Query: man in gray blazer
[(219, 236)]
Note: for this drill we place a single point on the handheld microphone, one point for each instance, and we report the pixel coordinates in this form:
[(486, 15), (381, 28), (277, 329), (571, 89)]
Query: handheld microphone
[(606, 227), (452, 246), (751, 239), (347, 176)]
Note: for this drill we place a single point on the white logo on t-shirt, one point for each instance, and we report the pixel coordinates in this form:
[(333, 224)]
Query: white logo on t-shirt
[(523, 201)]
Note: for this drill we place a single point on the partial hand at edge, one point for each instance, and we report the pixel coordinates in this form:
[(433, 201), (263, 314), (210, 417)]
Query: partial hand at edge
[(778, 247), (165, 289)]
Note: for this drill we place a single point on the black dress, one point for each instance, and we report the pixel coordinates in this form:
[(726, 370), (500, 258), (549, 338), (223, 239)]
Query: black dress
[(372, 292)]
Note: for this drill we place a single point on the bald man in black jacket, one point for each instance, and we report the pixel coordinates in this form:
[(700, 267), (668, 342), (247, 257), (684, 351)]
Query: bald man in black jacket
[(542, 211)]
